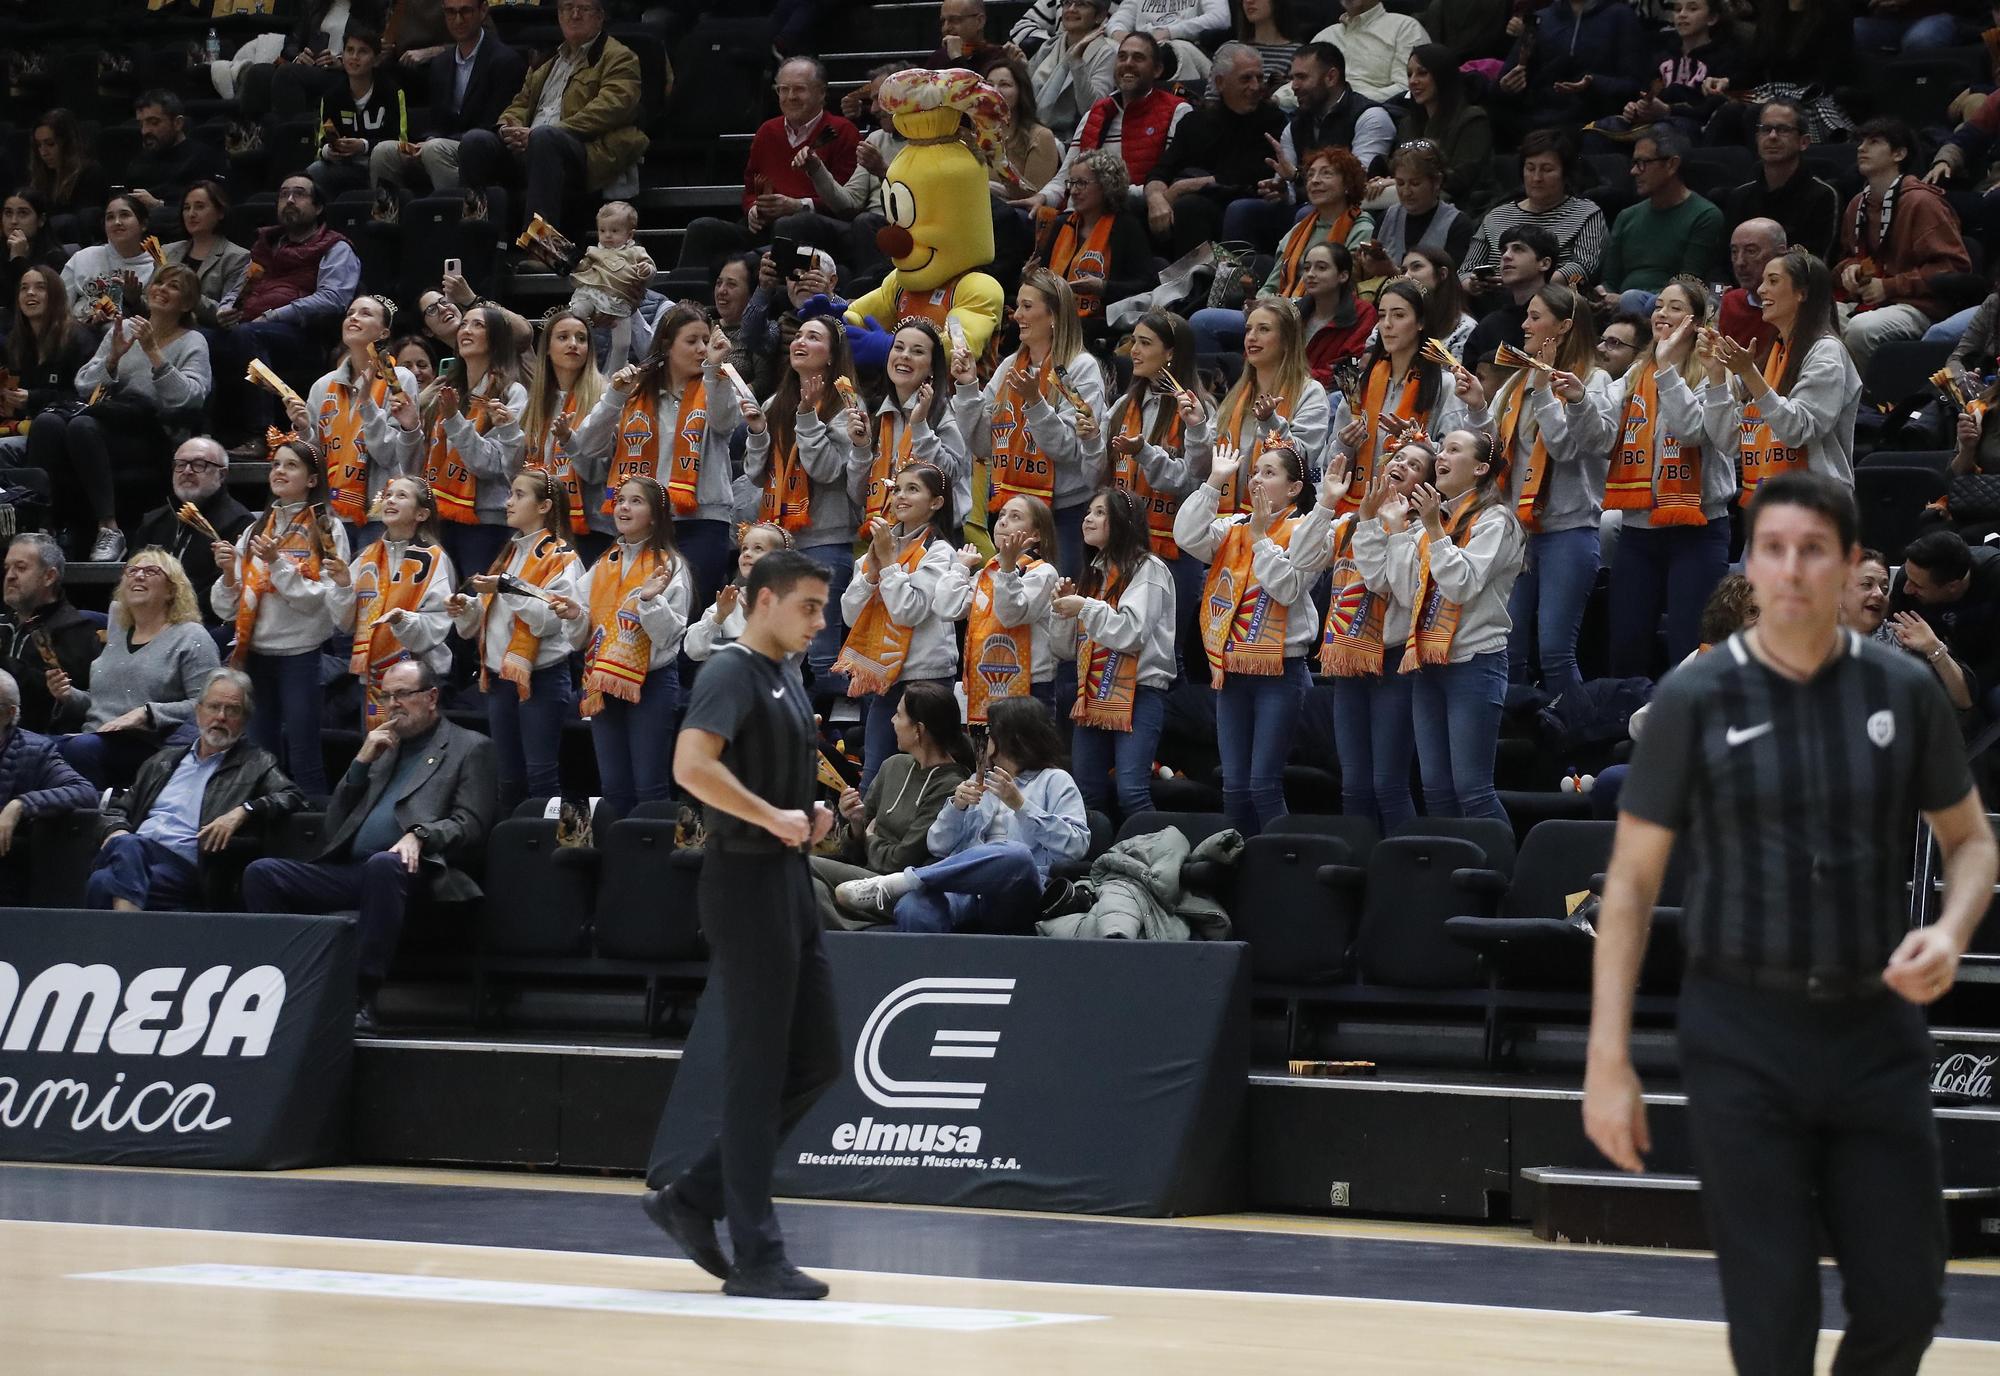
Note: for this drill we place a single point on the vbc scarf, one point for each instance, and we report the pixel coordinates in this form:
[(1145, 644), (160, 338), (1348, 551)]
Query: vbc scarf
[(1433, 620), (547, 557), (892, 456), (999, 659), (451, 478), (876, 646), (1373, 397), (1535, 472), (620, 653), (1232, 502), (787, 499), (543, 457), (346, 450), (1351, 646), (1107, 681), (1652, 470), (1293, 248), (1761, 455), (1070, 259), (378, 591), (1020, 468), (1128, 473), (638, 452), (1243, 626), (297, 544)]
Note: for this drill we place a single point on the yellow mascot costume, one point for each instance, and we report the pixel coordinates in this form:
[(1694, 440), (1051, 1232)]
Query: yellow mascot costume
[(940, 230)]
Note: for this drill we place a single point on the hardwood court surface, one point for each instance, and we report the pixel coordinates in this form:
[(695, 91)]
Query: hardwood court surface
[(283, 1300)]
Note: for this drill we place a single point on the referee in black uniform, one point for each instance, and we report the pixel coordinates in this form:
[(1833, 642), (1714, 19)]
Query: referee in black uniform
[(1796, 756), (746, 751)]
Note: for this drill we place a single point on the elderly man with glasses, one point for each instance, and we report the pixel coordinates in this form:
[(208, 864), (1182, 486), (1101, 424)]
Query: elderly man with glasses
[(199, 473), (418, 798), (574, 125)]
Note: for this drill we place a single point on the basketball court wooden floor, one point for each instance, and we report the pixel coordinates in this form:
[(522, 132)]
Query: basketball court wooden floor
[(105, 1272)]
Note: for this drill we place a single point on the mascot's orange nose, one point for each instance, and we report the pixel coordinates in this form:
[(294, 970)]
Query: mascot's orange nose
[(894, 241)]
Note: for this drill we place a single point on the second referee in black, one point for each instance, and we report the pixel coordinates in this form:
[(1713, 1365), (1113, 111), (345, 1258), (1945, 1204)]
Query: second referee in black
[(745, 750), (1795, 758)]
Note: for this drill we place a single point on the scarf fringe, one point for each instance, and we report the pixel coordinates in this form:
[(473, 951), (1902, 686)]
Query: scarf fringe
[(1341, 660)]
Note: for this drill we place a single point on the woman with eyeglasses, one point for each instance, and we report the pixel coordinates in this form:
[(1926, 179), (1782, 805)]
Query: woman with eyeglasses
[(1552, 425), (143, 687), (285, 582), (1098, 245), (367, 422), (394, 604), (510, 614)]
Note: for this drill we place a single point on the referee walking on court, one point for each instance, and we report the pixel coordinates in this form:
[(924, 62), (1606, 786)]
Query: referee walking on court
[(1795, 756), (746, 751)]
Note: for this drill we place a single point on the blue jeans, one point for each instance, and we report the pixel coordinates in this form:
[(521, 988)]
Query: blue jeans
[(1257, 222), (1670, 568), (526, 735), (707, 547), (1887, 34), (144, 873), (472, 548), (1255, 715), (1190, 578), (992, 888), (1216, 328), (825, 647), (1097, 753), (1952, 328), (111, 759), (634, 741), (878, 733), (286, 722), (1373, 732), (1456, 710), (1547, 605), (377, 887), (1069, 538)]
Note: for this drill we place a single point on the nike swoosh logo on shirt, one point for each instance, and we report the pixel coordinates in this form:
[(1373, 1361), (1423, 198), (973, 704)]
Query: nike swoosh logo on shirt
[(777, 692), (1742, 735)]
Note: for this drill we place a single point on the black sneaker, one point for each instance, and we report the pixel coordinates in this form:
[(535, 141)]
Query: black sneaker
[(777, 1280), (692, 1232)]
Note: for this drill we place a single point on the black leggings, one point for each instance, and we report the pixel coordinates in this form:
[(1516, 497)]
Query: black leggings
[(82, 450)]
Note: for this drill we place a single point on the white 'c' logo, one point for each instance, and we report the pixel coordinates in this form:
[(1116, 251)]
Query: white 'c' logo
[(960, 1044)]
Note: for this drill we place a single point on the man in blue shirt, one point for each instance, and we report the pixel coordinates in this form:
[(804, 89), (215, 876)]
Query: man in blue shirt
[(189, 801)]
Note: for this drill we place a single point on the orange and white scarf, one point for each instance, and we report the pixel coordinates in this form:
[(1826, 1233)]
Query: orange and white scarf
[(999, 659), (378, 591), (1373, 397), (1020, 468), (1433, 620), (542, 456), (1651, 469), (1129, 474), (1242, 625), (1086, 256), (1107, 682), (346, 448), (1298, 241), (876, 646), (1351, 646), (690, 429), (620, 652), (1535, 470), (892, 456), (1233, 501), (547, 557), (1763, 458), (787, 499), (298, 543), (452, 480)]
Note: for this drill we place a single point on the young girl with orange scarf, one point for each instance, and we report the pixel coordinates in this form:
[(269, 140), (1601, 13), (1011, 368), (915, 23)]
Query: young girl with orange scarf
[(564, 390), (670, 418), (1258, 623), (475, 441), (1026, 424), (628, 616), (913, 424), (1552, 426), (1004, 602), (278, 583), (896, 636), (1361, 650), (1673, 488), (1117, 622), (365, 420), (800, 452), (1455, 573), (394, 605), (523, 654)]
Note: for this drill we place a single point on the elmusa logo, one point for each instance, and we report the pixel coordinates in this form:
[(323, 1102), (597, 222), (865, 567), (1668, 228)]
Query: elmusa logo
[(965, 1044)]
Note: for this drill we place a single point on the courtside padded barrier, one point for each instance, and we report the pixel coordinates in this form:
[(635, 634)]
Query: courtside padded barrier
[(175, 1039), (1010, 1072)]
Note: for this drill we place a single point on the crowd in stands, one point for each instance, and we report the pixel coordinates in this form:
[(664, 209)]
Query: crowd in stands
[(1370, 378)]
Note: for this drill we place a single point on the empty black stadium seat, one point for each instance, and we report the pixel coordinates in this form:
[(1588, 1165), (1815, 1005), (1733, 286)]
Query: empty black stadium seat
[(1901, 369), (1359, 833), (1494, 837), (1892, 502), (646, 904), (1290, 907), (1411, 895)]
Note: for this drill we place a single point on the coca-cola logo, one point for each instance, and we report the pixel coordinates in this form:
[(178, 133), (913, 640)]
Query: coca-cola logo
[(1964, 1076)]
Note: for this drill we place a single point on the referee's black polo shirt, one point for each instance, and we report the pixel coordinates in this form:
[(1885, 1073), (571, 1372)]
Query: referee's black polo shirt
[(1799, 801), (758, 706)]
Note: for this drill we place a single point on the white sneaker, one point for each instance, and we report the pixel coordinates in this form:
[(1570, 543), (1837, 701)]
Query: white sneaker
[(875, 896), (109, 546)]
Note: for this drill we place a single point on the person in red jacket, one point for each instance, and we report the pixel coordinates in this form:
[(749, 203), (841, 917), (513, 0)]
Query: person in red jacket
[(1134, 121), (1752, 245), (775, 182), (1895, 236)]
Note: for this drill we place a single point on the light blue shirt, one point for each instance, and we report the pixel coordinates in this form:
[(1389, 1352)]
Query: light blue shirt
[(176, 815), (461, 75)]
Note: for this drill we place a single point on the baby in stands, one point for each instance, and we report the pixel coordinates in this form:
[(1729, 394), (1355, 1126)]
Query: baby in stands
[(611, 279)]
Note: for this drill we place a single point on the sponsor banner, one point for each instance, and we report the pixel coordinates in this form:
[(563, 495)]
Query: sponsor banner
[(1959, 1077), (1009, 1072), (175, 1039)]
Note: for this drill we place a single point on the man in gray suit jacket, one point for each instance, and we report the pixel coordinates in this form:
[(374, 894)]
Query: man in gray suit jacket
[(418, 797)]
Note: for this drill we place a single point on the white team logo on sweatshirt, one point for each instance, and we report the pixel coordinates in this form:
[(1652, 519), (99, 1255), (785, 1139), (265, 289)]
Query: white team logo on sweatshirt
[(1882, 728)]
